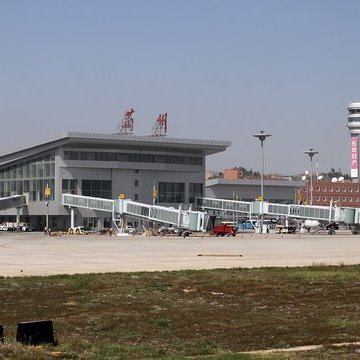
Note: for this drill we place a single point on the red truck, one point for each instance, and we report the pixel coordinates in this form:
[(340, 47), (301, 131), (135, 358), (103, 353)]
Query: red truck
[(225, 228)]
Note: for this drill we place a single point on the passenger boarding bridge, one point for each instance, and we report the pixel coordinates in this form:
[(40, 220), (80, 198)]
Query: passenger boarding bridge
[(324, 214), (197, 220), (256, 208), (119, 208), (15, 201)]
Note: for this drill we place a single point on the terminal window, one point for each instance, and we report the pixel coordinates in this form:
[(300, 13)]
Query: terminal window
[(96, 188), (133, 157), (195, 191), (29, 177), (171, 192), (69, 186)]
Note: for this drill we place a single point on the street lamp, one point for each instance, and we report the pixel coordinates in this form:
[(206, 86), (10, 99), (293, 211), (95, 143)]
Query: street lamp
[(311, 152), (262, 136)]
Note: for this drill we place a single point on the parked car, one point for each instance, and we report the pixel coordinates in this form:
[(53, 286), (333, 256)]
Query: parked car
[(129, 229), (165, 230), (3, 227), (26, 227)]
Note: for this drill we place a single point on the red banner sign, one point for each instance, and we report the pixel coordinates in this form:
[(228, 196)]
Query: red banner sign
[(354, 156)]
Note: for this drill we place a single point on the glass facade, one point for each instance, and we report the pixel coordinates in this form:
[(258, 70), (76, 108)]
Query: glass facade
[(195, 190), (97, 188), (69, 186), (133, 157), (29, 177), (171, 192)]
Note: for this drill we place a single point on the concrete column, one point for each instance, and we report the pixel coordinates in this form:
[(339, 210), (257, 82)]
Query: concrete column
[(18, 210), (101, 221), (72, 217)]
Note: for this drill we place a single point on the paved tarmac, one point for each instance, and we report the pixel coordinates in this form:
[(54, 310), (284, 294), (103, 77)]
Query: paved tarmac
[(24, 254)]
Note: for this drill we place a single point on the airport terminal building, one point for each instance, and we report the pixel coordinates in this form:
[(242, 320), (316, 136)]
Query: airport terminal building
[(103, 166)]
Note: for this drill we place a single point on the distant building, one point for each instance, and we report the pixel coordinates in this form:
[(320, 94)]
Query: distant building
[(275, 190), (232, 174), (211, 174), (343, 193)]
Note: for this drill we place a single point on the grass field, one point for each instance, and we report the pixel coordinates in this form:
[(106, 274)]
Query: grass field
[(212, 314)]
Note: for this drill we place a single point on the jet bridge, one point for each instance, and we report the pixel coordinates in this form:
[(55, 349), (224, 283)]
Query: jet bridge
[(197, 220), (15, 201), (256, 208), (328, 214), (232, 206), (185, 219)]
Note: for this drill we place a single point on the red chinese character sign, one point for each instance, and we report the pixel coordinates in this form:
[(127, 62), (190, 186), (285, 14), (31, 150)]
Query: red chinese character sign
[(160, 126), (126, 125), (354, 156)]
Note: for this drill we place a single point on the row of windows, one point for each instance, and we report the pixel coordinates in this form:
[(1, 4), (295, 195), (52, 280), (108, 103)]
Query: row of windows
[(35, 188), (337, 189), (29, 177), (93, 188), (337, 198), (168, 192), (36, 169), (354, 111), (171, 192), (132, 157)]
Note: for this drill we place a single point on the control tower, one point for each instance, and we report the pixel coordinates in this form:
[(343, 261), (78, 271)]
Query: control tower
[(353, 125)]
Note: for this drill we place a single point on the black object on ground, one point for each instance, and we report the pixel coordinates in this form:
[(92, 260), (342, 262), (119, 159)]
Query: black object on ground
[(35, 332), (1, 334)]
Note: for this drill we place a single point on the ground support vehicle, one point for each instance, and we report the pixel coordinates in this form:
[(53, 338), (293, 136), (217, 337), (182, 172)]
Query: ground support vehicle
[(77, 230), (282, 229), (182, 232), (26, 227), (246, 226), (224, 229)]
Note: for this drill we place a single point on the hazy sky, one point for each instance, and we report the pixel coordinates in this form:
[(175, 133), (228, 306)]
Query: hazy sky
[(221, 69)]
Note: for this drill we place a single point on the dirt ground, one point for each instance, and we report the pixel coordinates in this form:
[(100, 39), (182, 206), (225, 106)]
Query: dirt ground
[(36, 254)]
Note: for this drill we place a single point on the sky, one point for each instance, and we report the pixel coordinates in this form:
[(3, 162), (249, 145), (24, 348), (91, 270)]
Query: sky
[(221, 69)]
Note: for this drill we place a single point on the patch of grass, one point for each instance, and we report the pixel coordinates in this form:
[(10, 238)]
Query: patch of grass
[(343, 323), (162, 322), (206, 347), (174, 315)]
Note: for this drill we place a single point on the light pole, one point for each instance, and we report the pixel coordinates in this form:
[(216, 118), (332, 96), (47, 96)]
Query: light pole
[(47, 194), (311, 152), (262, 136)]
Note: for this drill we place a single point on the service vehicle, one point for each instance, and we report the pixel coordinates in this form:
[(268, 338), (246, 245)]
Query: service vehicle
[(77, 230), (26, 227), (225, 229)]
